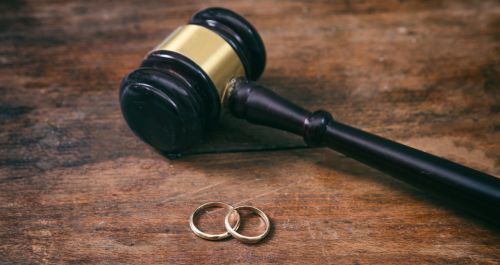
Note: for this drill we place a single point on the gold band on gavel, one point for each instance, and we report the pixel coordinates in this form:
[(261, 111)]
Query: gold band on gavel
[(208, 50)]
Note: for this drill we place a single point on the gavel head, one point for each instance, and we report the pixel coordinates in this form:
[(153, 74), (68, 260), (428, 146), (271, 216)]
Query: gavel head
[(175, 95)]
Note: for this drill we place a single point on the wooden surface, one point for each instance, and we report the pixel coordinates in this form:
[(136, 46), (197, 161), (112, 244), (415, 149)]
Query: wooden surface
[(76, 186)]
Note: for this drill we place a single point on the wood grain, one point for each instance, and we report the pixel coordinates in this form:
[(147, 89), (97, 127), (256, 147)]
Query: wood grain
[(77, 187)]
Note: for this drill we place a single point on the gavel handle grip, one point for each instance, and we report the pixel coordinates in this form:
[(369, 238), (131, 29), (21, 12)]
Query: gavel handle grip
[(475, 191)]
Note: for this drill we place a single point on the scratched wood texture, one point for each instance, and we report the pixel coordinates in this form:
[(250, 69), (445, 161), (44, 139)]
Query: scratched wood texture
[(77, 187)]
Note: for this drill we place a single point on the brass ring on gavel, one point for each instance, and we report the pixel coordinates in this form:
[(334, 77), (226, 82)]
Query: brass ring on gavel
[(240, 237), (208, 236)]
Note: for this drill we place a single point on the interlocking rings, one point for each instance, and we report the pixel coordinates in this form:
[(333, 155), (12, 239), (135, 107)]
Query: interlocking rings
[(231, 230)]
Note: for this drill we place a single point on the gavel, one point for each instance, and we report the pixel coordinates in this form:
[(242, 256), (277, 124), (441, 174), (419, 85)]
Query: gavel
[(176, 95)]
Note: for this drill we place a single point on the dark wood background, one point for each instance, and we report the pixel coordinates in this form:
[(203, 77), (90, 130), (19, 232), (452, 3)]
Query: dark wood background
[(76, 186)]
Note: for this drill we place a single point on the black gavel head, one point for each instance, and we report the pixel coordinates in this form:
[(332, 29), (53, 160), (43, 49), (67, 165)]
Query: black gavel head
[(174, 97)]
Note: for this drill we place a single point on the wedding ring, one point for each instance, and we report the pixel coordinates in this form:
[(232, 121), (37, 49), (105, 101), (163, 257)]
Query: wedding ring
[(208, 236), (242, 238)]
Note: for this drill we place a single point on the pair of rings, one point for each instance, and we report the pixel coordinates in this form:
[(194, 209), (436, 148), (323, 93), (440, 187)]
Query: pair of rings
[(230, 230)]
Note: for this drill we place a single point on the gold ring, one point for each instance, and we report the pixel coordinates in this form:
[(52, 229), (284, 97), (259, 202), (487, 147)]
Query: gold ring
[(242, 238), (208, 236)]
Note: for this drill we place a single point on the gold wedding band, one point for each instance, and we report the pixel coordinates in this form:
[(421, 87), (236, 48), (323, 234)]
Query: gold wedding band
[(208, 236), (242, 238)]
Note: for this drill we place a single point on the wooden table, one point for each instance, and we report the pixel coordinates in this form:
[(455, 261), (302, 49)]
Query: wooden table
[(76, 186)]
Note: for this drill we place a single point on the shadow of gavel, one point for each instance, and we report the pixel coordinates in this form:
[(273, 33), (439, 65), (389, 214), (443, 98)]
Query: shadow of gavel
[(177, 94)]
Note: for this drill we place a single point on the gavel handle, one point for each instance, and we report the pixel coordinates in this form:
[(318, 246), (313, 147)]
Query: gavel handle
[(475, 191)]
